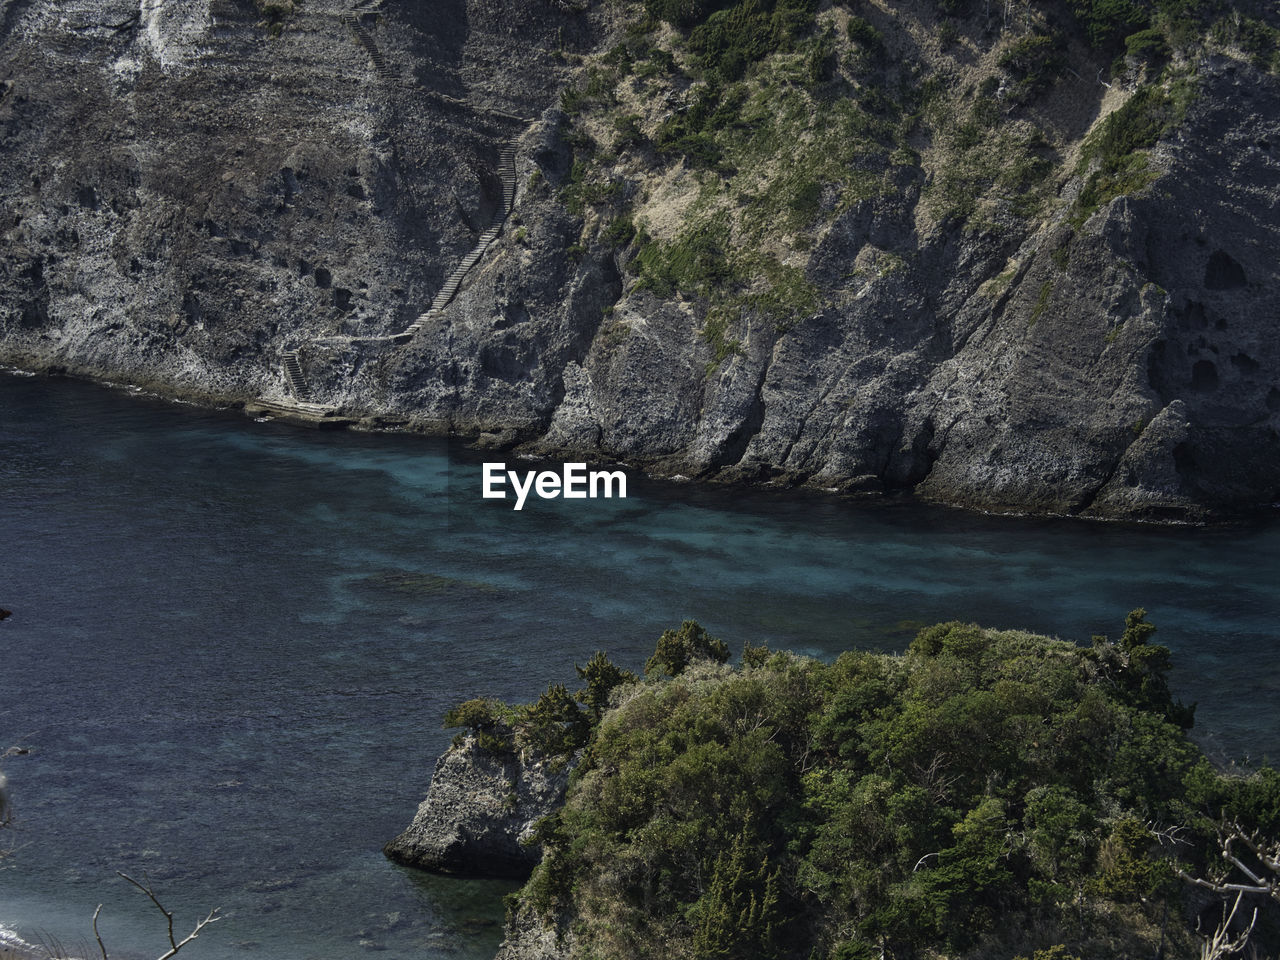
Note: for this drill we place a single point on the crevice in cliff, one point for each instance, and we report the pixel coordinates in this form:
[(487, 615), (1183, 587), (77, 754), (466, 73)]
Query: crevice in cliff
[(12, 11)]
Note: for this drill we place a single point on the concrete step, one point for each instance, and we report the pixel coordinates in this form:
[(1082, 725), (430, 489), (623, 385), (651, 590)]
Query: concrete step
[(294, 376)]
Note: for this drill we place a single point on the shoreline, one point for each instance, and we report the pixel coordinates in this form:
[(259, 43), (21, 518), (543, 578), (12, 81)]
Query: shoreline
[(666, 469), (13, 947)]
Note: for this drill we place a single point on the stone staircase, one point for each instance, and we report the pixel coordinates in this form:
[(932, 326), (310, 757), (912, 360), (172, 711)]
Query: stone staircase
[(380, 65), (507, 171), (294, 377), (299, 407)]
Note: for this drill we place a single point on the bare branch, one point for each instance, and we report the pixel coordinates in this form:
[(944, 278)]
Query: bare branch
[(1169, 835), (1233, 859), (920, 862), (1270, 860), (96, 935), (1222, 944), (174, 944), (1224, 887)]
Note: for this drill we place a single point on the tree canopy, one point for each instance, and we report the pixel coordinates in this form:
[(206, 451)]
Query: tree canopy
[(985, 793)]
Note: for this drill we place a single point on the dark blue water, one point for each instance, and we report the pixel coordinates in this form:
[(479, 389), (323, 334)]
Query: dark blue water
[(232, 643)]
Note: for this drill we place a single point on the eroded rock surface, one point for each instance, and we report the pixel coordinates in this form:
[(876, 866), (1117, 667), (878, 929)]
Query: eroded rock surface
[(185, 198), (479, 813)]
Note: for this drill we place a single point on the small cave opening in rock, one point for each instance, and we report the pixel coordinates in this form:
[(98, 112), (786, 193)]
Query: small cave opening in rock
[(1184, 459), (502, 363), (1245, 363), (1223, 273), (1204, 376), (323, 278), (1192, 316)]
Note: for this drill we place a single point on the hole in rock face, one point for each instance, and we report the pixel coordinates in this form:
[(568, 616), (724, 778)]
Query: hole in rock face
[(1204, 376), (1245, 363), (1184, 460), (1223, 273), (342, 298), (501, 363), (323, 278), (1263, 145), (1192, 317)]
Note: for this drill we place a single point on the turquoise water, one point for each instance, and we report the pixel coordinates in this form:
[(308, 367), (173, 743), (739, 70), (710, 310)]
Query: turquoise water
[(232, 643)]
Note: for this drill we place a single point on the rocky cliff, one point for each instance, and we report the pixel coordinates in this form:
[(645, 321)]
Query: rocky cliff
[(478, 815), (893, 254)]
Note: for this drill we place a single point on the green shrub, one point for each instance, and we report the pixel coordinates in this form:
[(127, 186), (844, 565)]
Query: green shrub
[(1105, 22), (677, 649), (1034, 63), (696, 261), (731, 40), (554, 724), (488, 720), (864, 34), (1042, 303), (1149, 45), (715, 334), (627, 132), (987, 784), (1258, 39), (683, 13), (602, 678), (620, 231), (275, 13), (1114, 146)]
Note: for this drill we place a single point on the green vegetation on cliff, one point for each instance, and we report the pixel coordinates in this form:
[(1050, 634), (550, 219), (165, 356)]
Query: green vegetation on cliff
[(719, 141), (988, 793)]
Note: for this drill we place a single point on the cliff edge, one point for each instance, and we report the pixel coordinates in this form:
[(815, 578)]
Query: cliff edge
[(1012, 263)]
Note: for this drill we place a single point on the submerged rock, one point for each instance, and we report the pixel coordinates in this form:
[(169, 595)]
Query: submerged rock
[(479, 812)]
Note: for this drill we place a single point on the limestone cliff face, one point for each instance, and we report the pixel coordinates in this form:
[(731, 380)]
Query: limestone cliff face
[(478, 810), (185, 197)]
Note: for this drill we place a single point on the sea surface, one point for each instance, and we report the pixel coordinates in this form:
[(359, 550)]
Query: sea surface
[(232, 643)]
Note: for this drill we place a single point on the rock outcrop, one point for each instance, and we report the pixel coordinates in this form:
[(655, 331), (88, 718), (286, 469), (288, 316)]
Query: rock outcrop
[(479, 813), (528, 937), (188, 201)]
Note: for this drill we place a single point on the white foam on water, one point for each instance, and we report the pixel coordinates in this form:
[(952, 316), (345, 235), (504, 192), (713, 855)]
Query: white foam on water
[(9, 938)]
